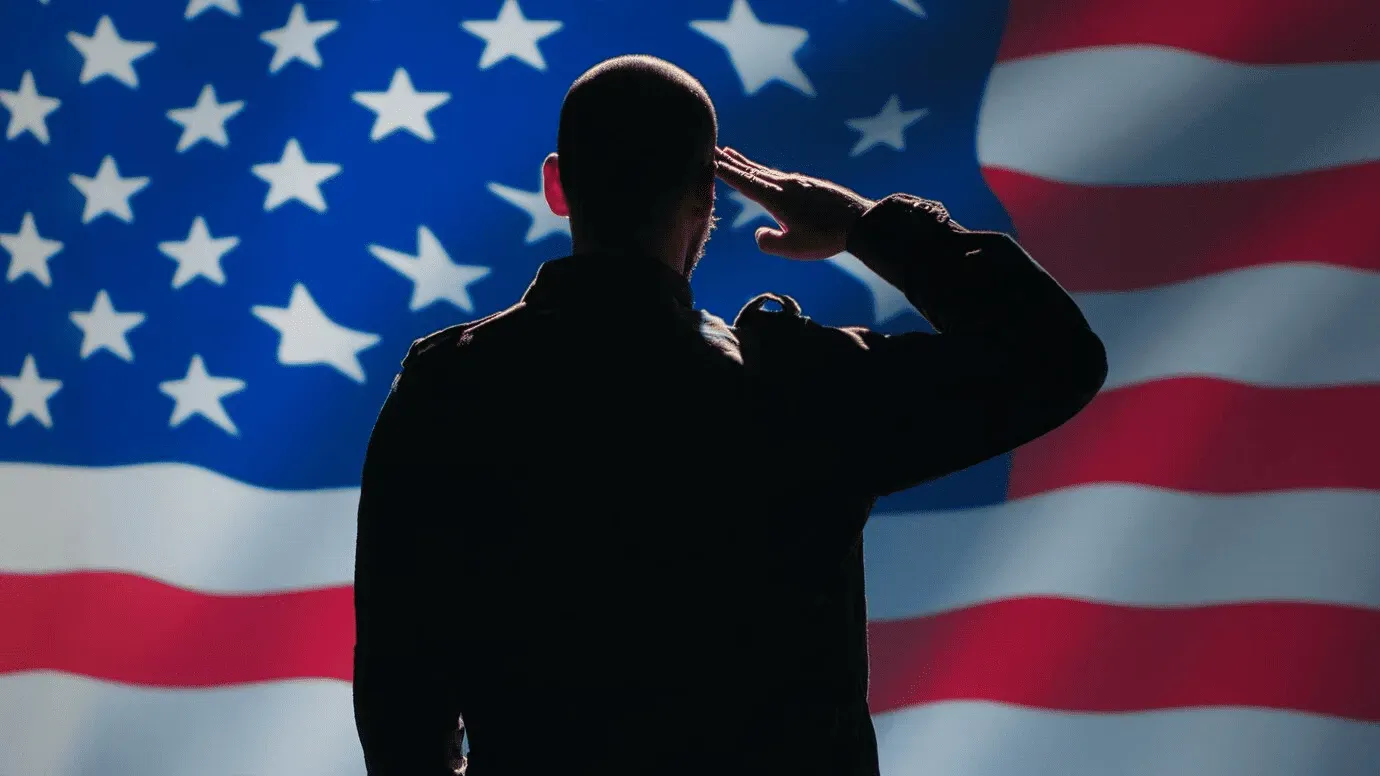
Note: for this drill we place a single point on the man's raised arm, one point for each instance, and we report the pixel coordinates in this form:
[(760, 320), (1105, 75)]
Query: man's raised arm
[(1013, 357)]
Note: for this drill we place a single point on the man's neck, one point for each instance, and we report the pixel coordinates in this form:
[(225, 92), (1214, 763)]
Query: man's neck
[(620, 278), (666, 254)]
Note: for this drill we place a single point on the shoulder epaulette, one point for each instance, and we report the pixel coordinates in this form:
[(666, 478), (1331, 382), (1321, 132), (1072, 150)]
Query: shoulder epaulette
[(451, 335), (755, 309)]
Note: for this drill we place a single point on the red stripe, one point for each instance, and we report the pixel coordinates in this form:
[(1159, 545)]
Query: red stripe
[(139, 631), (1106, 238), (1049, 653), (1254, 31), (1093, 657), (1210, 436)]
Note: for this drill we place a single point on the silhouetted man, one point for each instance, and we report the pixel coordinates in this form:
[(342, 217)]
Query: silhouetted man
[(619, 536)]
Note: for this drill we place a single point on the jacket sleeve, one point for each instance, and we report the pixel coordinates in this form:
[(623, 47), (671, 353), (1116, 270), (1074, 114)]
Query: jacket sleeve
[(404, 702), (1012, 357)]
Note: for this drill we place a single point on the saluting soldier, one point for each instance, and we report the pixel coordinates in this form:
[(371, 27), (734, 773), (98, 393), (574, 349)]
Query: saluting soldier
[(605, 532)]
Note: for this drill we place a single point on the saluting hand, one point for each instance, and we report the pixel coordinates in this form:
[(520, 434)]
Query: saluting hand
[(814, 214)]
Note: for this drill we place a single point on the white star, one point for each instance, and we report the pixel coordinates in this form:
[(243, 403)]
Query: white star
[(760, 52), (911, 5), (888, 127), (433, 274), (29, 394), (28, 109), (29, 252), (401, 107), (297, 39), (309, 337), (293, 177), (199, 394), (751, 209), (544, 222), (205, 120), (102, 327), (511, 35), (199, 254), (106, 53), (887, 300), (195, 7), (107, 192)]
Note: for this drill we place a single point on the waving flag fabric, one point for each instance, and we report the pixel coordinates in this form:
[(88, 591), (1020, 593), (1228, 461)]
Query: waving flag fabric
[(226, 220)]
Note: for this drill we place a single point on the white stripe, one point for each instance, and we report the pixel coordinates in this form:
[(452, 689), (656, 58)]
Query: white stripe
[(62, 725), (59, 725), (1156, 115), (988, 739), (1118, 543), (177, 523), (1131, 545), (1285, 325)]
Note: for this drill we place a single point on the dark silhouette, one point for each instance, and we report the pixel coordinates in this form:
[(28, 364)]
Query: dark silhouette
[(616, 534)]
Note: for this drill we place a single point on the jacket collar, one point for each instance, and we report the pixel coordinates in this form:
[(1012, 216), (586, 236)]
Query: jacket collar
[(583, 279)]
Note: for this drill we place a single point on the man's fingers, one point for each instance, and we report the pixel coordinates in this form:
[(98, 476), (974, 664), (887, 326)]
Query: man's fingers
[(737, 157), (748, 181), (757, 169), (732, 174), (733, 165), (746, 162)]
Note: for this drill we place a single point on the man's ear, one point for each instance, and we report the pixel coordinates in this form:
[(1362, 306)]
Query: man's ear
[(551, 186)]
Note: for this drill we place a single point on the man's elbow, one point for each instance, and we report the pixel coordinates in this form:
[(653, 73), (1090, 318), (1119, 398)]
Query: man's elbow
[(1087, 367), (1071, 377), (1072, 369)]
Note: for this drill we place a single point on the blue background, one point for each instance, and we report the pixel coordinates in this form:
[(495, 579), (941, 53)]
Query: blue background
[(306, 426)]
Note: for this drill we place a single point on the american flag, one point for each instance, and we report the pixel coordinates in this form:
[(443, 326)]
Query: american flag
[(225, 220)]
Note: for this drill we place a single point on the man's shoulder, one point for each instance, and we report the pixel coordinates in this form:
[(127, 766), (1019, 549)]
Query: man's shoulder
[(756, 324), (444, 342)]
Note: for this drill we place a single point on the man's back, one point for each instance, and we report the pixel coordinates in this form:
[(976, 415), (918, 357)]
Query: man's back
[(626, 512)]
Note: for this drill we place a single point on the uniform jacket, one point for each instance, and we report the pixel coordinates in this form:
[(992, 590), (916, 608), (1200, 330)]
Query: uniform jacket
[(616, 534)]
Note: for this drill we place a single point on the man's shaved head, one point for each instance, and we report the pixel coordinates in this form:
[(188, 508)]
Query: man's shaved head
[(635, 144)]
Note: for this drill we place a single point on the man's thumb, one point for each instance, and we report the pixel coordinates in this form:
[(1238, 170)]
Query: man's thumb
[(778, 242)]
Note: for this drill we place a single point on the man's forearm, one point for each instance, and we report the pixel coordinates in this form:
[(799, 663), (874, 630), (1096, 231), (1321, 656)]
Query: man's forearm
[(960, 280)]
